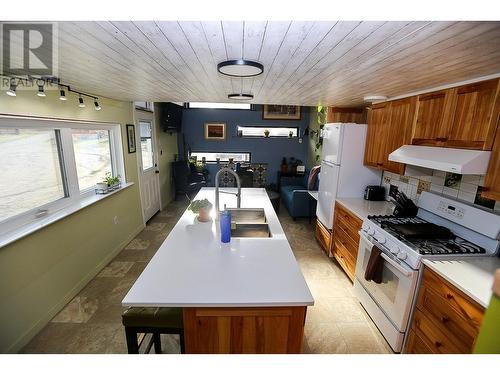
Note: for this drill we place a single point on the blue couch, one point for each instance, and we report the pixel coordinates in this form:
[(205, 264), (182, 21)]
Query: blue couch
[(295, 197)]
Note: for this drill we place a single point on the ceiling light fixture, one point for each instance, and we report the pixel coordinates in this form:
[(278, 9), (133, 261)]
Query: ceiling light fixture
[(374, 98), (240, 68), (41, 90), (62, 95), (97, 106), (240, 96), (81, 103), (12, 89)]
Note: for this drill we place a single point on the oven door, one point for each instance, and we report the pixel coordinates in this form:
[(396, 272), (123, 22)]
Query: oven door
[(394, 295)]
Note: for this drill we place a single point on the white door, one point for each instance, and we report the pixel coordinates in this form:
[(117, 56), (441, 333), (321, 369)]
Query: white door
[(150, 190), (327, 193), (332, 143)]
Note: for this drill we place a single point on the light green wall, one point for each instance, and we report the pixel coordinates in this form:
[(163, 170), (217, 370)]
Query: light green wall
[(167, 148), (40, 273)]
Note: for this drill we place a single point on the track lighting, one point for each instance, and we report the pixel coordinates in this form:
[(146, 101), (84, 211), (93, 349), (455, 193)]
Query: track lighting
[(41, 90), (12, 89), (81, 103), (62, 95), (97, 106)]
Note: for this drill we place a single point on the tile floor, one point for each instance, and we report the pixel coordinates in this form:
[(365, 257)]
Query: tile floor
[(91, 322)]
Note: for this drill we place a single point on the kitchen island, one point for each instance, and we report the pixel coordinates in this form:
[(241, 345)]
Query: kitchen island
[(246, 296)]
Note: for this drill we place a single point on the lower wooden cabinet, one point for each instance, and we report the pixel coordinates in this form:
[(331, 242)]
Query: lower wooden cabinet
[(323, 236), (345, 243), (445, 319), (252, 330)]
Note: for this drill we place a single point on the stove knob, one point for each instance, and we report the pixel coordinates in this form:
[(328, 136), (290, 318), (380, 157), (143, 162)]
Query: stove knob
[(371, 232), (381, 239), (402, 255), (365, 227), (394, 249)]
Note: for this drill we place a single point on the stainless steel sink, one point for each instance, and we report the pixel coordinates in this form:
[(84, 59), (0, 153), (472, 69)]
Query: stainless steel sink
[(248, 215), (249, 223), (250, 230)]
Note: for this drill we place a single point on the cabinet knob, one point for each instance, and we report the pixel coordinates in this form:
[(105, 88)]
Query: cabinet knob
[(449, 296), (438, 344), (445, 319)]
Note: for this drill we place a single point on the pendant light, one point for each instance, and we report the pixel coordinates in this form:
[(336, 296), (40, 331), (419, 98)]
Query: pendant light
[(12, 89), (81, 102), (41, 90), (240, 68), (240, 96)]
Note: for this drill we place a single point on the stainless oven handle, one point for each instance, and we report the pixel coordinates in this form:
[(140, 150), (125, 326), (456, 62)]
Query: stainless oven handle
[(384, 256)]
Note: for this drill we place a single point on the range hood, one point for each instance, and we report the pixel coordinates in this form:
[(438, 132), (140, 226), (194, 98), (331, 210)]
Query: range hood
[(444, 159)]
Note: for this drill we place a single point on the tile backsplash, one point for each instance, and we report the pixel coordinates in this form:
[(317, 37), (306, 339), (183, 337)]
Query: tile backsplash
[(465, 188)]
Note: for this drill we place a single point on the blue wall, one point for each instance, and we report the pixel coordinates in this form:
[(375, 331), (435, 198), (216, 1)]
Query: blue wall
[(263, 150)]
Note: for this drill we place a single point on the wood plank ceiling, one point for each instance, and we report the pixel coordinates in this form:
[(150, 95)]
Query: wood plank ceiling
[(306, 63)]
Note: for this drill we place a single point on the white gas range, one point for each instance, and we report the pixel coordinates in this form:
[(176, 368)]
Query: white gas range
[(442, 229)]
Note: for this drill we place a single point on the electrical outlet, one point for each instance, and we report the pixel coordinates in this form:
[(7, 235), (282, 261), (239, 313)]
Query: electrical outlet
[(404, 179), (387, 180), (115, 220)]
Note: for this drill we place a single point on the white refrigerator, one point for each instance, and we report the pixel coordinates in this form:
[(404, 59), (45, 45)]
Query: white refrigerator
[(343, 174)]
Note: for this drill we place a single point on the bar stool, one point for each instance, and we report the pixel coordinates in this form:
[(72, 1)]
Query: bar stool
[(154, 320)]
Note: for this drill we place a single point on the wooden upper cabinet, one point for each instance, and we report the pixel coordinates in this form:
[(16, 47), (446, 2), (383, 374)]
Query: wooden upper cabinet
[(461, 117), (402, 113), (491, 188), (378, 117), (430, 126), (473, 124), (337, 114), (389, 126)]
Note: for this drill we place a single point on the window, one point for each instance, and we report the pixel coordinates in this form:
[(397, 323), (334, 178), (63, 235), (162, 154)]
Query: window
[(219, 105), (31, 173), (146, 145), (92, 156), (211, 157), (47, 165), (260, 131)]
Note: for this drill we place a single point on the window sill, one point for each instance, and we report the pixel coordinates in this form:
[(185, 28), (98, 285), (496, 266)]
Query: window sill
[(25, 230)]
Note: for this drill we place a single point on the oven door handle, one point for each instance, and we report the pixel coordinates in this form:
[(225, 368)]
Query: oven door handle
[(396, 265)]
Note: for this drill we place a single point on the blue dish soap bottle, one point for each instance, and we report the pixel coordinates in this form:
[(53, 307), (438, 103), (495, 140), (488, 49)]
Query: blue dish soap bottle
[(225, 226)]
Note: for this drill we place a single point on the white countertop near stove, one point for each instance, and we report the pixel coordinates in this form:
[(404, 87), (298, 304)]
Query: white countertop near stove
[(362, 208), (473, 276), (193, 268)]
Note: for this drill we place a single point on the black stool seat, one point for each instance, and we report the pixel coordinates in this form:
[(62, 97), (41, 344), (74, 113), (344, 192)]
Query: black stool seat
[(160, 317), (154, 320)]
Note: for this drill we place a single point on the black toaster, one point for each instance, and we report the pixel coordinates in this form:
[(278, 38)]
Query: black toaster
[(374, 193)]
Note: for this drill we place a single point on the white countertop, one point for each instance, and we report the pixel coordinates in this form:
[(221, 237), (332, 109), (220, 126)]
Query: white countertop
[(193, 268), (473, 276), (362, 208)]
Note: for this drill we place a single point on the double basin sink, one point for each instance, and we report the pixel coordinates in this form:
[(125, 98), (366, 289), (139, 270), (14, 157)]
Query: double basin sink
[(249, 223)]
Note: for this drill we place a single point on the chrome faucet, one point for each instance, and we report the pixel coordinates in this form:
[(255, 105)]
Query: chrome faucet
[(238, 184)]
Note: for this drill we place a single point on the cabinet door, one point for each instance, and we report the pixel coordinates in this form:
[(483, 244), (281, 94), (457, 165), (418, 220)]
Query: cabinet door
[(375, 138), (431, 124), (402, 113), (473, 124), (491, 187)]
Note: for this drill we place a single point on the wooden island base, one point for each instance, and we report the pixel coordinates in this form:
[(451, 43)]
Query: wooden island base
[(252, 330)]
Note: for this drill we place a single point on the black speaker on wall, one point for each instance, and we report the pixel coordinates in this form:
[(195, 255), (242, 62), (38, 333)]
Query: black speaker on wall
[(170, 117)]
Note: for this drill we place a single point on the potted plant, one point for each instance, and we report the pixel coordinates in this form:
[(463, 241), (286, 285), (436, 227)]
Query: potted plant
[(113, 183), (266, 133), (201, 207)]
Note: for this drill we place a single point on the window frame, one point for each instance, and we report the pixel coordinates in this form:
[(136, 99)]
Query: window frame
[(296, 128), (73, 195), (223, 152)]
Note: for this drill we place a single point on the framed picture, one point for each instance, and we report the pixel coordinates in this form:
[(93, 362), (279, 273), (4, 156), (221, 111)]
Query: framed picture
[(281, 112), (215, 131), (131, 138)]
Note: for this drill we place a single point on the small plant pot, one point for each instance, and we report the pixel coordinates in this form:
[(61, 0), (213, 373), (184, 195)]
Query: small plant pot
[(101, 188), (203, 215)]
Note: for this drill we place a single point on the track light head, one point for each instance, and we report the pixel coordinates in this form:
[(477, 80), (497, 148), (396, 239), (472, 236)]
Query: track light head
[(81, 102), (97, 106), (12, 89), (62, 95), (41, 89)]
